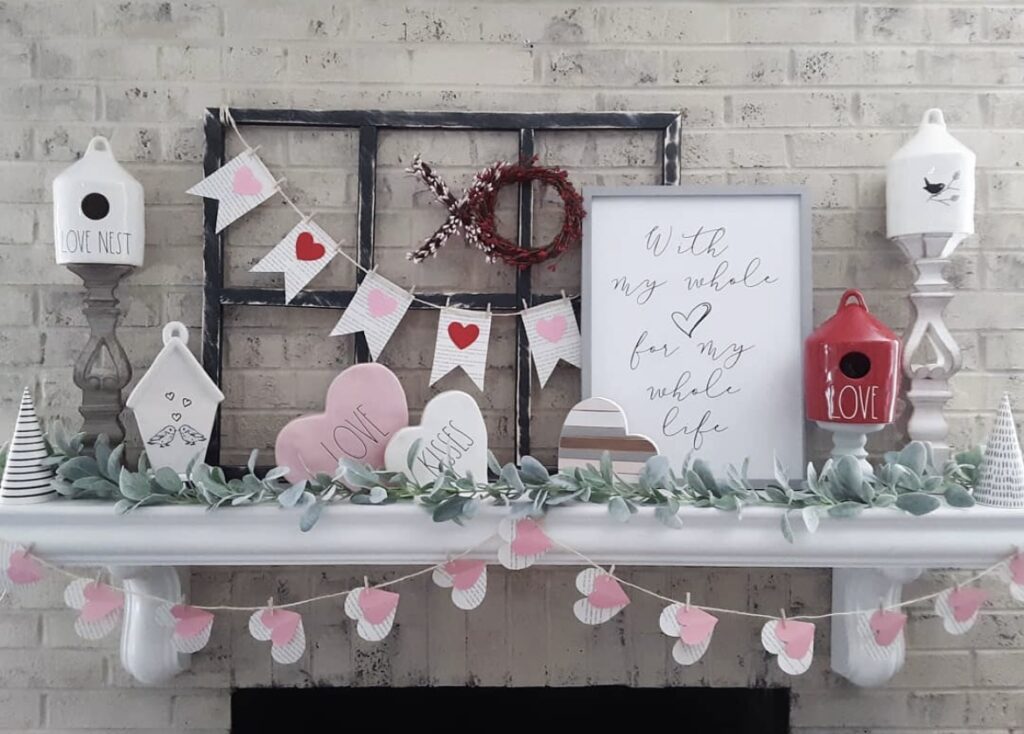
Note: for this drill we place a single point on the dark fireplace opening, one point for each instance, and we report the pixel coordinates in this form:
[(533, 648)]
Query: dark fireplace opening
[(704, 710)]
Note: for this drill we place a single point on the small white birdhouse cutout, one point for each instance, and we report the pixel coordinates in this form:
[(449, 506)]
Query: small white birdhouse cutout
[(175, 403)]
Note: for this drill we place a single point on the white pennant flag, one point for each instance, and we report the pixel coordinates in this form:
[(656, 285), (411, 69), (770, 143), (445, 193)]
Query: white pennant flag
[(240, 185), (553, 335), (462, 339), (376, 310), (301, 255)]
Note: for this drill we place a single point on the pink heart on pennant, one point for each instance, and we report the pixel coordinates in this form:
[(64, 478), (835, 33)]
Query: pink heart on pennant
[(1016, 566), (530, 540), (23, 569), (552, 329), (190, 621), (796, 637), (282, 624), (607, 593), (245, 183), (100, 601), (377, 604), (965, 602), (365, 406), (380, 303), (886, 626), (695, 625), (464, 572)]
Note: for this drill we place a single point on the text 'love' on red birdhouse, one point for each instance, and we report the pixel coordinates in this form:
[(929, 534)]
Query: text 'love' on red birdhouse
[(852, 367)]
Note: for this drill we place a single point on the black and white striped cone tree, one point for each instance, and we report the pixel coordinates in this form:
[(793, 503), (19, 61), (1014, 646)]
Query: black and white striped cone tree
[(26, 479)]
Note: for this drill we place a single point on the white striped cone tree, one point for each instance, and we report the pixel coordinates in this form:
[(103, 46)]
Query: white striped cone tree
[(26, 479), (1001, 474)]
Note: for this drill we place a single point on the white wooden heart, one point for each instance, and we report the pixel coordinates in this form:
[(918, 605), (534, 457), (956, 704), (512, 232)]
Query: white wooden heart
[(452, 430)]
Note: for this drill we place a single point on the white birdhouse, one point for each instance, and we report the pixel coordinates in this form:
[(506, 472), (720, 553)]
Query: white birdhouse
[(98, 211), (930, 183), (175, 403)]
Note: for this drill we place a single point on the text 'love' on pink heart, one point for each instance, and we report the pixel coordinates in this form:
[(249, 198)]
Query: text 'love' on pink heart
[(695, 625), (245, 183), (377, 604), (282, 624), (380, 303), (966, 601), (529, 539), (607, 593), (23, 568), (100, 600), (464, 572), (796, 637), (552, 329), (190, 621), (886, 626)]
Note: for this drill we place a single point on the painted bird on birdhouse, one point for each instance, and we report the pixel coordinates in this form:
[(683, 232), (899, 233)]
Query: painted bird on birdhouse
[(933, 188)]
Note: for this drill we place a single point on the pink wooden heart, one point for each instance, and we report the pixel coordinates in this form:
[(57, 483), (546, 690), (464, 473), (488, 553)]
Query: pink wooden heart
[(695, 625), (282, 624), (23, 568), (377, 604), (245, 183), (966, 601), (529, 539), (1016, 566), (190, 621), (464, 572), (607, 593), (100, 600), (365, 406), (380, 303), (886, 625), (552, 328), (796, 637)]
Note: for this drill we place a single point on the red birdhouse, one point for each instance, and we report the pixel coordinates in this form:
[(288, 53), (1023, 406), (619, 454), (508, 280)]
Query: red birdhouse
[(852, 367)]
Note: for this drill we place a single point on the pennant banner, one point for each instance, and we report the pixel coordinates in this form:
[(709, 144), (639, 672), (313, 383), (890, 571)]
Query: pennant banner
[(240, 185), (301, 255), (462, 340), (376, 310), (553, 334)]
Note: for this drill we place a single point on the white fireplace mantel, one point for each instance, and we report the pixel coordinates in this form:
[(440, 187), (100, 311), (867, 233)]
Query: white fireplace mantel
[(873, 555)]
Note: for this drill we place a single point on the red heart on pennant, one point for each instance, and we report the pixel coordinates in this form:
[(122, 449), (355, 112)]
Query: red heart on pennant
[(307, 248), (463, 335)]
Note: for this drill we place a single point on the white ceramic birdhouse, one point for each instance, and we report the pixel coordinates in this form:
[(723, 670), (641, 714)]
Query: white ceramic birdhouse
[(98, 211), (930, 183), (175, 403)]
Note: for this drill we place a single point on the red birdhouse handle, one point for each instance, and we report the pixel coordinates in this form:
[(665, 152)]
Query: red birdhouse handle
[(852, 293)]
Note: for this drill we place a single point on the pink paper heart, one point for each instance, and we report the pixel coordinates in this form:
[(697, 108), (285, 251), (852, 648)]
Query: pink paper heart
[(796, 637), (245, 182), (887, 625), (364, 408), (966, 601), (282, 623), (100, 600), (607, 593), (380, 303), (464, 572), (552, 328), (377, 604), (23, 568), (190, 621), (1016, 566), (529, 539), (695, 625)]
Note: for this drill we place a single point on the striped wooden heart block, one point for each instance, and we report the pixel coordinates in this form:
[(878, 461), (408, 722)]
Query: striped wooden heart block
[(596, 425)]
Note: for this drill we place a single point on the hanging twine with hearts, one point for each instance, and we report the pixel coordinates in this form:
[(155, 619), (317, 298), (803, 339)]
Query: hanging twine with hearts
[(474, 213)]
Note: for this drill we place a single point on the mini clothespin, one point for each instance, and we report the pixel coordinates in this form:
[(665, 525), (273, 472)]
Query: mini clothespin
[(782, 613), (687, 601), (366, 582), (611, 571), (526, 306), (270, 605), (99, 577)]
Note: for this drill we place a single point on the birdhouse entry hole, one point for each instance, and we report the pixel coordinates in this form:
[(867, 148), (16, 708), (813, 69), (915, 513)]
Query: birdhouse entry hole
[(95, 206), (855, 365)]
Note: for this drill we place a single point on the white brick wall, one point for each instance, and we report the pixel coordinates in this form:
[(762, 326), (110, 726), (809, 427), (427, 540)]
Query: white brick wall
[(817, 93)]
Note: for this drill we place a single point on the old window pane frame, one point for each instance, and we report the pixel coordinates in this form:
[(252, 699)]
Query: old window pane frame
[(369, 124)]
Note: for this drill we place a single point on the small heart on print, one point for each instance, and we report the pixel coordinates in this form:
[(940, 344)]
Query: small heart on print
[(185, 402), (607, 593), (23, 568), (796, 637), (552, 329), (1016, 567), (380, 303), (886, 626), (686, 323), (190, 621), (245, 183), (695, 625), (965, 602), (169, 395), (282, 623), (529, 539), (464, 572), (377, 605), (176, 417), (463, 335), (100, 601), (307, 248)]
